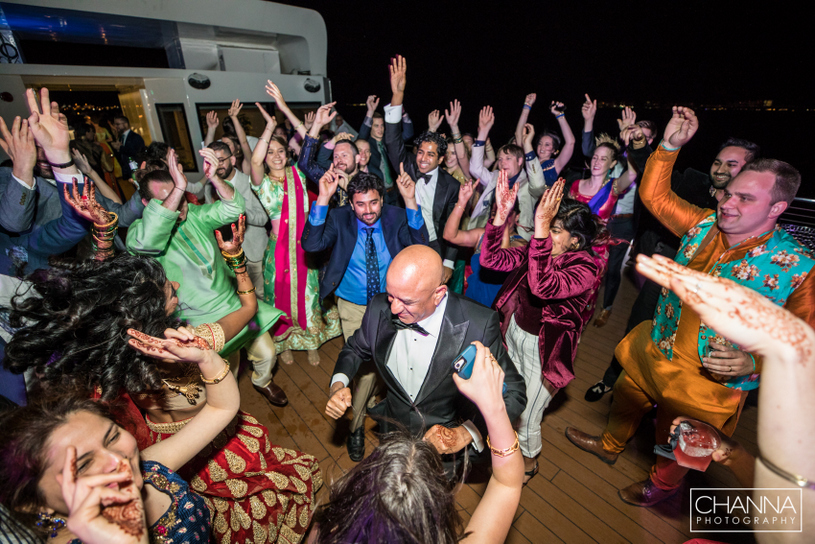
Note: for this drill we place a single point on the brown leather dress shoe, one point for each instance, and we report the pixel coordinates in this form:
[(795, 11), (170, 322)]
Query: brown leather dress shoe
[(645, 493), (273, 394), (591, 444), (602, 318)]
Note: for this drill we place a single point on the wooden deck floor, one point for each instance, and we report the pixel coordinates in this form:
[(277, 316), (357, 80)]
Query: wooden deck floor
[(574, 497)]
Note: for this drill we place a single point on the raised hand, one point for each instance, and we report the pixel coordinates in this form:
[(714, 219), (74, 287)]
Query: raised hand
[(485, 385), (434, 120), (235, 109), (628, 118), (547, 208), (324, 115), (271, 122), (233, 246), (504, 198), (681, 128), (453, 114), (212, 120), (81, 162), (343, 136), (210, 163), (308, 120), (176, 170), (486, 118), (464, 193), (407, 188), (177, 345), (274, 91), (530, 99), (86, 205), (50, 128), (19, 146), (589, 109), (740, 314), (398, 73), (103, 508), (328, 186), (529, 135), (372, 102), (556, 108)]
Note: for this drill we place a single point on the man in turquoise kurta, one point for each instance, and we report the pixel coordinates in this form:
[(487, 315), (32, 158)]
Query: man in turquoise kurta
[(181, 238)]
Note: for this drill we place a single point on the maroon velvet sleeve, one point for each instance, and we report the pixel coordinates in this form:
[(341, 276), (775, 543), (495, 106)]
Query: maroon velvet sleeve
[(575, 274), (495, 258)]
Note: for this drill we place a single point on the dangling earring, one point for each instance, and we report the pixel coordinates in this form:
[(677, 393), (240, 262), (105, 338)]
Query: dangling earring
[(50, 523)]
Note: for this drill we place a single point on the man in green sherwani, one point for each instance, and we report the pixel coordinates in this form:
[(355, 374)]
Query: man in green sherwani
[(182, 239)]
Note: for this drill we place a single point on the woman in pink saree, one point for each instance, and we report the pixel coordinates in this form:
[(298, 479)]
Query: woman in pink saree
[(290, 283)]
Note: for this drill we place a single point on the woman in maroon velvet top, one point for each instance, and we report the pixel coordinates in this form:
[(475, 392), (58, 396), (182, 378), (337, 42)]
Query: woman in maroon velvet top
[(543, 304)]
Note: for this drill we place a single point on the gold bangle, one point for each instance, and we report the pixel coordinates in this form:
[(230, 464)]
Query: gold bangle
[(247, 292), (235, 256), (505, 452), (219, 378)]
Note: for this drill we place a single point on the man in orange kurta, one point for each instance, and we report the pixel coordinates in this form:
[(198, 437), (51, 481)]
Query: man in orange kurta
[(746, 217)]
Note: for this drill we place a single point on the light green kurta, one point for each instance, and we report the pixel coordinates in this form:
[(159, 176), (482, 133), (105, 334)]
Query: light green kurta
[(320, 327), (190, 255)]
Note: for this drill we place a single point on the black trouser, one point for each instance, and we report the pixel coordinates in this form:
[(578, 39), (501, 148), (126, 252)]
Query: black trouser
[(643, 310), (623, 229)]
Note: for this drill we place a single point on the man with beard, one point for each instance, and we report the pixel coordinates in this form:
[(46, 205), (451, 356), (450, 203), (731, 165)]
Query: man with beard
[(346, 156), (255, 239), (365, 236), (696, 187)]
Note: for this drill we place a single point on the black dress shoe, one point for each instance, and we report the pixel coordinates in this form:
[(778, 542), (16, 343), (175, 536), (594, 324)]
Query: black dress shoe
[(356, 444), (273, 394), (597, 391)]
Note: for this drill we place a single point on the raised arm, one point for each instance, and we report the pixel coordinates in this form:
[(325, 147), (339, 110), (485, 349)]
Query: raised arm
[(567, 150), (234, 111), (212, 127), (234, 322), (18, 204), (452, 115), (492, 255), (452, 233), (225, 190), (273, 91), (259, 154), (478, 169), (104, 189), (529, 101), (365, 130)]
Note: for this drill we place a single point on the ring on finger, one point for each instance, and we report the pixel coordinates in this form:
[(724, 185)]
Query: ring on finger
[(696, 288)]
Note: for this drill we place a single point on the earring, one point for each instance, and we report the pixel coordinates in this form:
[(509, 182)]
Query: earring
[(50, 523)]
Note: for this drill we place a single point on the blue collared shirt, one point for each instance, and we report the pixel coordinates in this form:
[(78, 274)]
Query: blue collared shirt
[(354, 284)]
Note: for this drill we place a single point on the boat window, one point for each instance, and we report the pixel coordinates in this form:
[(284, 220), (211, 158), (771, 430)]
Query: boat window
[(176, 132)]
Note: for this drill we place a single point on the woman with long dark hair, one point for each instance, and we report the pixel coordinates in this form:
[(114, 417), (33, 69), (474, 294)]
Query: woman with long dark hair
[(544, 303)]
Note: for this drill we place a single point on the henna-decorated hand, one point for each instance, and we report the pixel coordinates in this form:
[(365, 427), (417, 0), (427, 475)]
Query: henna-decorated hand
[(548, 207), (739, 314), (178, 345), (504, 198), (233, 246), (448, 439), (103, 508), (86, 205)]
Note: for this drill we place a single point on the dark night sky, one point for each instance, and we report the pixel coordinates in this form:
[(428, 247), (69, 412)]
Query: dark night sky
[(624, 51)]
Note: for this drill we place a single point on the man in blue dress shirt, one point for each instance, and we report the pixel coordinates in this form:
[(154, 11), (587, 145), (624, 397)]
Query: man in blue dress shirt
[(365, 237)]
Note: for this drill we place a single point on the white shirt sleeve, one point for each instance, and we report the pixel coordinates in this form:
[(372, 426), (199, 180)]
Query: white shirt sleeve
[(478, 441), (24, 184), (69, 178), (393, 114), (449, 264), (340, 378)]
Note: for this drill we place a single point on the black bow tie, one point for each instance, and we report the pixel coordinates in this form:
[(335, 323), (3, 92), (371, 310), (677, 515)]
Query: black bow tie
[(412, 326), (426, 177)]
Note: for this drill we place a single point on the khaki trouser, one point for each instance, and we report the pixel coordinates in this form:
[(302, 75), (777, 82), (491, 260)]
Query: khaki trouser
[(263, 356), (366, 387)]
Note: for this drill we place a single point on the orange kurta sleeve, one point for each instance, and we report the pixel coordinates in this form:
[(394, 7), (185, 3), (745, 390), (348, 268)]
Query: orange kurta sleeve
[(678, 215)]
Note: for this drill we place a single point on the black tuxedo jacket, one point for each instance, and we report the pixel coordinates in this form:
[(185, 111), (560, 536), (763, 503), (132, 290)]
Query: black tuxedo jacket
[(447, 187), (439, 400), (132, 148), (340, 232)]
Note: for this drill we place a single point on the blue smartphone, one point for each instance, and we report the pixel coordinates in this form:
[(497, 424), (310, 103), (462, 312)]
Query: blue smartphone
[(463, 364)]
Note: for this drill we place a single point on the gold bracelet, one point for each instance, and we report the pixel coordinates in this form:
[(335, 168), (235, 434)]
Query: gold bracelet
[(247, 292), (505, 452), (235, 256), (219, 378)]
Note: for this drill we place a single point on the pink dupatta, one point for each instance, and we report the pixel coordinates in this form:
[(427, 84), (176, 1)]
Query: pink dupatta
[(290, 260)]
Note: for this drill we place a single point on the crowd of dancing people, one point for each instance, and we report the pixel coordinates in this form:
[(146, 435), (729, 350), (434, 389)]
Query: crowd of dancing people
[(124, 320)]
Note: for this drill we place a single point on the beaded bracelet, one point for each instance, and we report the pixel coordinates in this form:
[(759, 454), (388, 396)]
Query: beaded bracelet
[(247, 292), (507, 451), (219, 378)]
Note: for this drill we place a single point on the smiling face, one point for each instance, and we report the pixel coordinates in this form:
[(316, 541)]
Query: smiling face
[(747, 208), (602, 161), (450, 158), (727, 165), (562, 240), (276, 157), (546, 147), (100, 446), (367, 206), (378, 128), (364, 149), (427, 157), (345, 159)]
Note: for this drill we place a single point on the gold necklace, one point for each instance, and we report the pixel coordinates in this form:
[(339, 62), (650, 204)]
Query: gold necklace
[(186, 384)]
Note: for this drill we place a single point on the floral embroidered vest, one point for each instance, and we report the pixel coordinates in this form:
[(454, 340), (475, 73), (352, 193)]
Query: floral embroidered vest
[(774, 269)]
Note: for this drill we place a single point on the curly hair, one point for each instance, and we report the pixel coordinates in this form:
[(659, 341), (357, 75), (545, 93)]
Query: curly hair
[(433, 138), (72, 328), (397, 494), (24, 436), (579, 221)]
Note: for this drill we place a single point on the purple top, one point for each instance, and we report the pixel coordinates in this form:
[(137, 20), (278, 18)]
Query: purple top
[(555, 291)]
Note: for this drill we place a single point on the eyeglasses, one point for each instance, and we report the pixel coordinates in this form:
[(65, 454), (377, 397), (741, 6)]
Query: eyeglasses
[(223, 161)]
